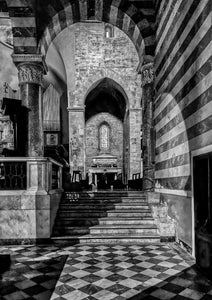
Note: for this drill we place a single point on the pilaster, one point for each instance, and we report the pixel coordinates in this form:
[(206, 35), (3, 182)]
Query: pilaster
[(147, 77)]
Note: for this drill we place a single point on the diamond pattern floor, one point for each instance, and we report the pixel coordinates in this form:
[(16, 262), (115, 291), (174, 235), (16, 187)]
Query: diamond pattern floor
[(117, 272)]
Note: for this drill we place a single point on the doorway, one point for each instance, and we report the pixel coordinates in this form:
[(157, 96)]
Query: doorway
[(202, 168)]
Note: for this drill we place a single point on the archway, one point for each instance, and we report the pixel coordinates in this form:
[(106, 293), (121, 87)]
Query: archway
[(107, 134)]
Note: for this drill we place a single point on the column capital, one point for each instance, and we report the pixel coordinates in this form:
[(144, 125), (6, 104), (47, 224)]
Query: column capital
[(147, 73), (31, 67)]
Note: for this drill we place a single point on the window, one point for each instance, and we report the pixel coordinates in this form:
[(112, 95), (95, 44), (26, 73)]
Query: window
[(104, 134), (109, 33)]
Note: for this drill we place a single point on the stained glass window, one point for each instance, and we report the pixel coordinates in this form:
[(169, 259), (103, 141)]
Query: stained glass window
[(104, 137)]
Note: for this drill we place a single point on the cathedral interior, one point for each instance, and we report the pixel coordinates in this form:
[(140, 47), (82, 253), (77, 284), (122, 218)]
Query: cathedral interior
[(105, 149)]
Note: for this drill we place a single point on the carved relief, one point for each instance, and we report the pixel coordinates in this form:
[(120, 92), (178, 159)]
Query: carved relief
[(147, 74), (29, 72)]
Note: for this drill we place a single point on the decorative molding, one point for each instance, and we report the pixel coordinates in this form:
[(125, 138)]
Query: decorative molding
[(173, 192), (30, 73), (147, 74), (30, 58), (76, 109)]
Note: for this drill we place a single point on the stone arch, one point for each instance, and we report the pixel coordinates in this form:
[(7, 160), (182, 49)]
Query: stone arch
[(92, 82), (126, 17)]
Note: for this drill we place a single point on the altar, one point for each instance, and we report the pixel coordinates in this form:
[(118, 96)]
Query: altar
[(104, 171)]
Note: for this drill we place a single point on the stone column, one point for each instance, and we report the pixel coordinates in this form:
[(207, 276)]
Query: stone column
[(30, 73), (77, 139), (147, 75)]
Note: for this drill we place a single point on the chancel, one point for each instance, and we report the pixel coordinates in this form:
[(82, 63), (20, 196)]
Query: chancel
[(106, 148)]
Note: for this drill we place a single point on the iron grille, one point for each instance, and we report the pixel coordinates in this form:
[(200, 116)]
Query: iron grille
[(13, 175)]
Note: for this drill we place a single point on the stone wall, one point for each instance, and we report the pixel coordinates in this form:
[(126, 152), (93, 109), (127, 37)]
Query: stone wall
[(25, 218), (8, 72), (115, 140), (99, 57)]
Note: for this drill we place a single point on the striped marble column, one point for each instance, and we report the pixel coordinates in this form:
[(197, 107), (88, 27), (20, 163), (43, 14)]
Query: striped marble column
[(147, 75), (30, 72)]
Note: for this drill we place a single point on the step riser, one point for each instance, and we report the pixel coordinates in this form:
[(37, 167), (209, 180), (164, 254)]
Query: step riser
[(103, 206), (91, 202), (128, 214), (77, 223), (127, 231), (134, 207), (64, 231), (86, 207), (120, 241), (82, 215), (125, 222), (112, 196), (127, 200)]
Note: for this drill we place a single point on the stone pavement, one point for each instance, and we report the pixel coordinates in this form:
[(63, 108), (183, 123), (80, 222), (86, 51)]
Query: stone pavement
[(118, 272)]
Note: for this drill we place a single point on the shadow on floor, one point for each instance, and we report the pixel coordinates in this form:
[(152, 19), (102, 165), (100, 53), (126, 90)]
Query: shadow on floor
[(174, 287), (5, 263), (24, 279)]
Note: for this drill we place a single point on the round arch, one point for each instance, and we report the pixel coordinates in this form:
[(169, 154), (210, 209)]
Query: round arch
[(112, 12)]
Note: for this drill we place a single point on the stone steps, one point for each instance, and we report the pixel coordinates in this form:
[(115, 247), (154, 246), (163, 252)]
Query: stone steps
[(106, 217)]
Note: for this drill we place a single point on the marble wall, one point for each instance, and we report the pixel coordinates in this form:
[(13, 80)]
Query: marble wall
[(25, 217)]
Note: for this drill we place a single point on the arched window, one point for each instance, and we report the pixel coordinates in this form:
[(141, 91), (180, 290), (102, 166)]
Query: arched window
[(109, 31), (104, 137)]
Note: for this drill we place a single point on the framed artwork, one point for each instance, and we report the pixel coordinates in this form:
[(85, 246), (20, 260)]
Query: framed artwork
[(51, 139)]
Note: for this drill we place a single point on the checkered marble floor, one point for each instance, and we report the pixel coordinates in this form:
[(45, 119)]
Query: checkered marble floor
[(104, 272)]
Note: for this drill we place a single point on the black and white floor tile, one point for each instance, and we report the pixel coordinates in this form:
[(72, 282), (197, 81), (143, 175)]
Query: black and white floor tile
[(104, 272)]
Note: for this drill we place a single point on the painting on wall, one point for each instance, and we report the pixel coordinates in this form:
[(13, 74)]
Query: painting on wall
[(51, 139)]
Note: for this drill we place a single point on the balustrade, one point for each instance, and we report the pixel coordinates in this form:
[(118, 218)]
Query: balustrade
[(22, 173)]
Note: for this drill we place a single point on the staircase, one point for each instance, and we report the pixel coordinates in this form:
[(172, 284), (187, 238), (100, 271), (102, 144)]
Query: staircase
[(119, 217)]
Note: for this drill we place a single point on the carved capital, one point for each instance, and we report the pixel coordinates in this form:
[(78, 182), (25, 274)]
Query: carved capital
[(147, 74), (31, 67), (30, 73)]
